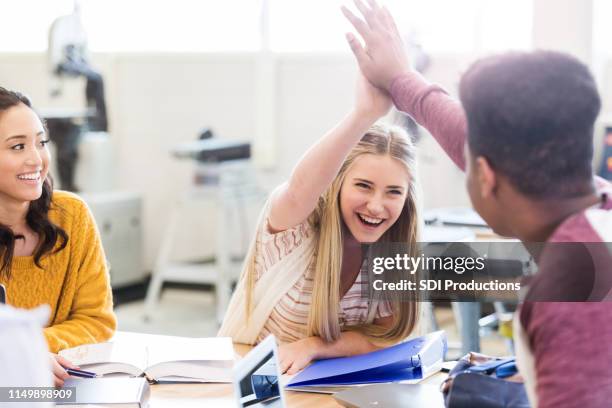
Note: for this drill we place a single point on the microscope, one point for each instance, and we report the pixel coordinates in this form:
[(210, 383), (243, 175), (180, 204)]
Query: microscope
[(67, 58)]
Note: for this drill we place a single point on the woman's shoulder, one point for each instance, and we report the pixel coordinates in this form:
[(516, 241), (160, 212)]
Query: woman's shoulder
[(65, 206), (67, 198)]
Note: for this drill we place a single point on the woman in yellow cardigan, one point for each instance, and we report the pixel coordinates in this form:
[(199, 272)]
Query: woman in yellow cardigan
[(50, 249)]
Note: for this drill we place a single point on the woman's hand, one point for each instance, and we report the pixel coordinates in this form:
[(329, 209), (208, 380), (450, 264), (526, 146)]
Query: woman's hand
[(369, 100), (58, 365), (297, 355)]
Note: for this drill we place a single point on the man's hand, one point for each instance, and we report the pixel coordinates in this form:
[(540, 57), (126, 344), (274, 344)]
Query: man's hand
[(384, 57), (57, 366), (297, 355)]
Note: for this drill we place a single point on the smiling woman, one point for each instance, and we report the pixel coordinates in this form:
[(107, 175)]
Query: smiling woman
[(50, 250), (304, 276)]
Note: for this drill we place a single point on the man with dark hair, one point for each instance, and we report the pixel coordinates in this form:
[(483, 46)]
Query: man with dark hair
[(540, 107), (528, 122)]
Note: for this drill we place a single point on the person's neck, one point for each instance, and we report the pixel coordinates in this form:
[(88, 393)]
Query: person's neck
[(13, 213), (350, 245), (536, 221)]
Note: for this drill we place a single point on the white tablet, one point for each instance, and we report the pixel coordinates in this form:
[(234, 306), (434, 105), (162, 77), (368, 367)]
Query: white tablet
[(257, 377)]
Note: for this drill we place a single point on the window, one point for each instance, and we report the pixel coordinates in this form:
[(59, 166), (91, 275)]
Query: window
[(26, 23), (236, 25), (177, 25), (602, 29), (439, 25), (137, 25)]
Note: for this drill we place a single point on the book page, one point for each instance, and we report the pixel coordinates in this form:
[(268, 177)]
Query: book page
[(192, 371), (189, 349), (158, 355), (161, 348), (110, 356)]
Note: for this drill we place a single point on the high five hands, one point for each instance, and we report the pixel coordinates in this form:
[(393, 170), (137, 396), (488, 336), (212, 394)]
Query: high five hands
[(384, 56)]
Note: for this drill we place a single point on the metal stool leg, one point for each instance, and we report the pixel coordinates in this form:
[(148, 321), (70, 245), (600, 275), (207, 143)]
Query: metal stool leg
[(163, 257), (467, 315)]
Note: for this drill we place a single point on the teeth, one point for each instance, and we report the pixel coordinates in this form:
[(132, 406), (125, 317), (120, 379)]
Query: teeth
[(30, 176), (370, 219)]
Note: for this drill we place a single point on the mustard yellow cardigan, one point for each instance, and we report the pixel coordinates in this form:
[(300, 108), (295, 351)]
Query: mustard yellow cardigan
[(73, 282)]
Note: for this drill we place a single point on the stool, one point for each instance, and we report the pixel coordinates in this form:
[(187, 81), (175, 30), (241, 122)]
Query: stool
[(231, 186)]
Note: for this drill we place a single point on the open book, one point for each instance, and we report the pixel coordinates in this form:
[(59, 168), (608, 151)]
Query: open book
[(159, 358)]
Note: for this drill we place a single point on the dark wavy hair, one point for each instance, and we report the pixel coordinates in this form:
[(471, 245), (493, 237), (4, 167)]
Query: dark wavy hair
[(37, 217)]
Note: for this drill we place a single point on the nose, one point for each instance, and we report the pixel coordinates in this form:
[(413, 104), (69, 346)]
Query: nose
[(375, 205), (33, 158)]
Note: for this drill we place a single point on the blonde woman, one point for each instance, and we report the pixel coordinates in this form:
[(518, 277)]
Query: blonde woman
[(303, 277)]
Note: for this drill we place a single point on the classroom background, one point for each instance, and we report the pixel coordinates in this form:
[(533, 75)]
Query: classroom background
[(265, 78)]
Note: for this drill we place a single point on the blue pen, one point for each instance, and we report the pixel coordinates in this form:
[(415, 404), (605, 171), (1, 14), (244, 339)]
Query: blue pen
[(81, 373)]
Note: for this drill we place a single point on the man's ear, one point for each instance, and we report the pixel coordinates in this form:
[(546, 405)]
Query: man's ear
[(487, 179)]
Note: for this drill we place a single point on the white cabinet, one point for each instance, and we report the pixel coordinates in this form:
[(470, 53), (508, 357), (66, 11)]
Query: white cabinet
[(119, 219)]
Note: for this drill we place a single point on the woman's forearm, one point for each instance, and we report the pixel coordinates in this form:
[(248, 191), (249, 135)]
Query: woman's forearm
[(295, 200), (350, 343)]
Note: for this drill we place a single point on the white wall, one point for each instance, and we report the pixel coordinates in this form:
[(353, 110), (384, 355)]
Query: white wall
[(565, 25), (158, 100)]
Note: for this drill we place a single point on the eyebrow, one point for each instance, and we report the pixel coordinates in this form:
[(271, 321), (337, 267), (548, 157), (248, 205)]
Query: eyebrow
[(369, 182), (42, 132)]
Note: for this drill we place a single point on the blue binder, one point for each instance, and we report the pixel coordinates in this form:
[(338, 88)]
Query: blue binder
[(409, 360)]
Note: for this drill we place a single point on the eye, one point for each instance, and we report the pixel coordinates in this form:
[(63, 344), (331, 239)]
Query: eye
[(43, 143), (395, 192), (362, 185), (19, 146)]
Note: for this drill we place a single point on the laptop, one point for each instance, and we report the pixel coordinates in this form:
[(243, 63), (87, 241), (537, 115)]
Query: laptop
[(256, 378), (391, 396)]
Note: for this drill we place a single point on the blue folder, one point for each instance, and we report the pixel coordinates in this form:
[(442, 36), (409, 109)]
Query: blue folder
[(409, 360)]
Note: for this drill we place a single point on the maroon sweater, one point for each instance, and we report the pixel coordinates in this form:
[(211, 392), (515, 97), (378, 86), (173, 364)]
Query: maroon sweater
[(571, 342)]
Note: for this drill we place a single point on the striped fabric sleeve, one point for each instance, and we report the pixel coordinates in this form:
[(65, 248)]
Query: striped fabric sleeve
[(270, 248), (384, 309)]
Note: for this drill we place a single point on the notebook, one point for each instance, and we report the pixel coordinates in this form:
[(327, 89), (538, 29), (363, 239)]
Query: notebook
[(159, 358), (112, 392), (411, 361)]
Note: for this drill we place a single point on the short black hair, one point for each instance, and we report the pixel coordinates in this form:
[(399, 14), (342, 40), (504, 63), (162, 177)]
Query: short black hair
[(532, 116)]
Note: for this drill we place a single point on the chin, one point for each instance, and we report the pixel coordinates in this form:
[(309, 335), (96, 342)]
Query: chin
[(30, 196), (365, 238), (503, 232), (499, 228)]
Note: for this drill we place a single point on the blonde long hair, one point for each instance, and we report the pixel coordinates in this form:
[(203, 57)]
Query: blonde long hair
[(326, 220)]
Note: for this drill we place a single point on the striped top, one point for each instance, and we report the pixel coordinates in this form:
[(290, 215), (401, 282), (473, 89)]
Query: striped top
[(289, 318)]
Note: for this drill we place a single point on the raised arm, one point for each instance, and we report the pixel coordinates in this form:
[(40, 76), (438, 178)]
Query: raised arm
[(385, 64), (293, 202)]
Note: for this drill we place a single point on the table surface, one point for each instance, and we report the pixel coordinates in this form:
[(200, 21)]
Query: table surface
[(222, 395)]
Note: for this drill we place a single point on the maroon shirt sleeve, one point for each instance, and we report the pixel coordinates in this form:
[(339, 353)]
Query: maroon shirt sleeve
[(431, 107), (571, 343)]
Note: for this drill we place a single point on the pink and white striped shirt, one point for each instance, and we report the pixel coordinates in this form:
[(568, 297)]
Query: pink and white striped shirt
[(289, 318)]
